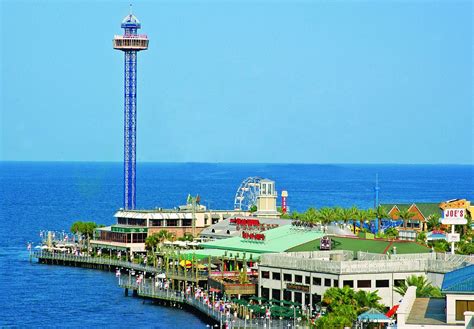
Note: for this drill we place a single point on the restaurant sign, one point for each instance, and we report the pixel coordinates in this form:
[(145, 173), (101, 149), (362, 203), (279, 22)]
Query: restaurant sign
[(253, 236), (454, 216), (297, 287), (119, 229)]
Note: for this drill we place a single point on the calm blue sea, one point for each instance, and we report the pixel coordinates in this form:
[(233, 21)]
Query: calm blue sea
[(39, 196)]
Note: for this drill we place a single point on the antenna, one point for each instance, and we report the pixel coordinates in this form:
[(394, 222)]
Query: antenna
[(130, 9)]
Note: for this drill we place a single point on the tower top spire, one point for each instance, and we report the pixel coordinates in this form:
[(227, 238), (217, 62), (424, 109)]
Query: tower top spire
[(130, 21)]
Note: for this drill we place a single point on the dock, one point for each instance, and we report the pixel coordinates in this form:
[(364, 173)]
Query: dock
[(101, 263)]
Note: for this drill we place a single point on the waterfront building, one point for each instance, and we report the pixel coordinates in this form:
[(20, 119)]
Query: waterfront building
[(455, 310), (236, 225), (421, 212), (134, 226), (303, 277)]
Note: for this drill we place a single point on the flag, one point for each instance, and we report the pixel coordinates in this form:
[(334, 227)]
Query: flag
[(198, 199), (189, 199)]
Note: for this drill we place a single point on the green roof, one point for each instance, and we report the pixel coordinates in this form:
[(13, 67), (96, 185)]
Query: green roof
[(373, 246), (279, 239), (426, 208)]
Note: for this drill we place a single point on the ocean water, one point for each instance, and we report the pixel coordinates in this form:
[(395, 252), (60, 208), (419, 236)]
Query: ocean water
[(37, 196)]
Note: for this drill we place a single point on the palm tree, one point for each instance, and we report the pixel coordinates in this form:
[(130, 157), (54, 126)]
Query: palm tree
[(368, 300), (433, 222), (370, 215), (361, 216), (346, 214), (406, 215), (164, 235), (310, 216), (353, 210), (326, 215), (380, 213), (423, 287)]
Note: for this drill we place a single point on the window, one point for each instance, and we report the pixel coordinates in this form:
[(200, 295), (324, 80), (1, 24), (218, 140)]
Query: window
[(382, 283), (298, 297), (187, 222), (287, 295), (265, 275), (317, 281), (307, 280), (265, 292), (463, 306), (298, 278), (348, 283), (364, 284), (327, 282), (398, 282), (287, 277), (276, 293), (276, 276), (336, 283)]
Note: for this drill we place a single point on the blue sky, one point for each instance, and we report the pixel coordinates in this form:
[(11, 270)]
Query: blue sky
[(310, 82)]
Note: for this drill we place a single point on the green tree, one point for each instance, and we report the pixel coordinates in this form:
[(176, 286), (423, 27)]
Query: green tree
[(421, 237), (380, 213), (164, 235), (367, 300), (405, 215), (439, 245), (346, 214), (354, 210), (310, 215), (326, 215), (423, 287), (253, 208), (85, 228), (152, 242), (433, 222)]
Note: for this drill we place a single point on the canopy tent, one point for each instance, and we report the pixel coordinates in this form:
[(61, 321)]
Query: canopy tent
[(374, 315)]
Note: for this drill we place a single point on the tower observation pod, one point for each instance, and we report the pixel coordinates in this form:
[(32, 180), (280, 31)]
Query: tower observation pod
[(130, 43)]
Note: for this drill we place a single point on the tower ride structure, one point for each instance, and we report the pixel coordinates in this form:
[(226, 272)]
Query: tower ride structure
[(130, 43)]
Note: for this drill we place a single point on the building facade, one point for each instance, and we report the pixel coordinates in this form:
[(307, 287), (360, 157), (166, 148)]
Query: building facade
[(304, 277)]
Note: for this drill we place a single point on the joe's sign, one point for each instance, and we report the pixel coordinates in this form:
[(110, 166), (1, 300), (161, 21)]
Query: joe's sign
[(454, 216)]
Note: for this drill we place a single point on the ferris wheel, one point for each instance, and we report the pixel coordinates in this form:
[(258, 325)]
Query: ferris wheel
[(246, 195)]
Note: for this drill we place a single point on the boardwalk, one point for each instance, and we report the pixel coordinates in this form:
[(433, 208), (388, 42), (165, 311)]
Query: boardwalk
[(147, 289), (98, 262)]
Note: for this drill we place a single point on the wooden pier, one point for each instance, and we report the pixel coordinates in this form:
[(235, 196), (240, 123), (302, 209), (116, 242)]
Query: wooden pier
[(101, 263)]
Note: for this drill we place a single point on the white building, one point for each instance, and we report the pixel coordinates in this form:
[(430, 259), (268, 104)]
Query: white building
[(304, 277)]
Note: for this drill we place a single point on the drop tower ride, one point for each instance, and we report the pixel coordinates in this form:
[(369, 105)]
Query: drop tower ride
[(130, 43)]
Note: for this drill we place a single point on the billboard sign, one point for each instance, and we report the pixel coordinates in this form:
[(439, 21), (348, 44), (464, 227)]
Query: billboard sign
[(454, 216)]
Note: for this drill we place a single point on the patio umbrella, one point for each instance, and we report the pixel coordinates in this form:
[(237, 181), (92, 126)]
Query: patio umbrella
[(374, 315)]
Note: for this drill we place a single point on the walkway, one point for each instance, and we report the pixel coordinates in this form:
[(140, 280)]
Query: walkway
[(147, 289)]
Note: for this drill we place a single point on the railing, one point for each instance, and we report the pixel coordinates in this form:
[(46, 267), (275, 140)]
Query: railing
[(131, 36), (438, 263), (95, 260), (147, 288)]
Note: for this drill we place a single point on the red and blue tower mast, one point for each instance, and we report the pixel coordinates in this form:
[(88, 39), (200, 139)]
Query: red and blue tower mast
[(130, 43)]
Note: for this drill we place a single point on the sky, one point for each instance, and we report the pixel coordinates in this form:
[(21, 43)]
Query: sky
[(241, 81)]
